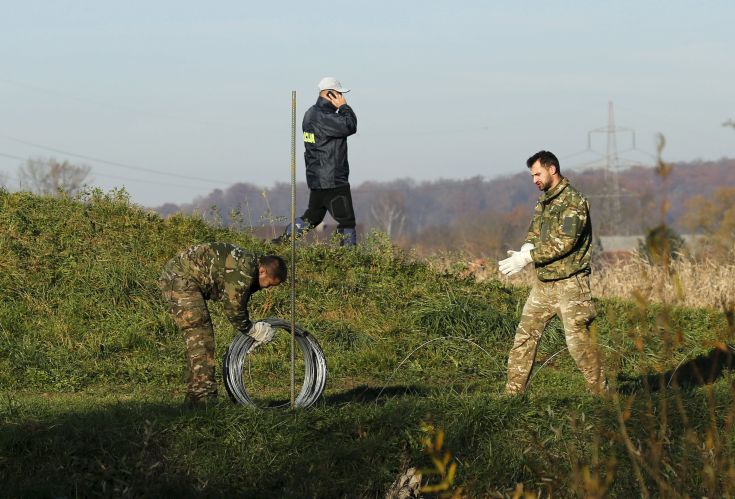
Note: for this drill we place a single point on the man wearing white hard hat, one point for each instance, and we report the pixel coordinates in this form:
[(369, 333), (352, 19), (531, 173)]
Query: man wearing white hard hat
[(326, 126)]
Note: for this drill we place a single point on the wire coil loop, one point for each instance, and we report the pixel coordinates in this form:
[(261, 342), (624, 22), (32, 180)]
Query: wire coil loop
[(315, 366)]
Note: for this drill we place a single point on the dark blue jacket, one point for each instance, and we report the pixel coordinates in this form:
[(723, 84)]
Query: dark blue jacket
[(326, 129)]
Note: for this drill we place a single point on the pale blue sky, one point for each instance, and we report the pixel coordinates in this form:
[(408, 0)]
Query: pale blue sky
[(441, 90)]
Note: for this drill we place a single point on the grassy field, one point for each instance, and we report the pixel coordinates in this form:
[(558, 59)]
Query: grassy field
[(91, 370)]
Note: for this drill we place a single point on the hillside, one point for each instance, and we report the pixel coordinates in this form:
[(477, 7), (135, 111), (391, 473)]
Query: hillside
[(91, 365)]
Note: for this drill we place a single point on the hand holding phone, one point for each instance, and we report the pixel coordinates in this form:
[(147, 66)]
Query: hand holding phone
[(336, 98)]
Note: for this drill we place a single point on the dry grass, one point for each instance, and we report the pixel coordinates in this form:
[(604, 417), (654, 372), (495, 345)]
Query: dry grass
[(707, 283), (685, 282)]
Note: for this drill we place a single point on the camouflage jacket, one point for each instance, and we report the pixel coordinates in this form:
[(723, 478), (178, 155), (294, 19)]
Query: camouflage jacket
[(223, 272), (561, 232)]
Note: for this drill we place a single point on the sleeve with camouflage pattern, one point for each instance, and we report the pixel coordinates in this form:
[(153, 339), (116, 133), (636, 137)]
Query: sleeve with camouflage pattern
[(235, 302), (534, 230)]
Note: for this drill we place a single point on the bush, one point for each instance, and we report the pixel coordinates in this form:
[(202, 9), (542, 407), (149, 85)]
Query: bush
[(661, 245)]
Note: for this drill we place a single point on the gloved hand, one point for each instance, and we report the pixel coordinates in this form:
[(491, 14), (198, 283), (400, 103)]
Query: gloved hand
[(262, 333), (516, 260)]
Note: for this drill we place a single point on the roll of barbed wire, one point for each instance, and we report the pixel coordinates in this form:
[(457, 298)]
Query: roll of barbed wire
[(315, 366)]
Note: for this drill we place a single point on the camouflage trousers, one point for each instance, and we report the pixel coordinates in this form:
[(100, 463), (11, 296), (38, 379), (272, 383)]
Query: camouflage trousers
[(189, 309), (571, 299)]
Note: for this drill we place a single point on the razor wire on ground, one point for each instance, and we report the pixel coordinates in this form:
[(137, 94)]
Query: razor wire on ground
[(315, 366), (422, 345)]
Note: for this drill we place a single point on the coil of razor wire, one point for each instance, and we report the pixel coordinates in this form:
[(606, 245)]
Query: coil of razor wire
[(315, 366)]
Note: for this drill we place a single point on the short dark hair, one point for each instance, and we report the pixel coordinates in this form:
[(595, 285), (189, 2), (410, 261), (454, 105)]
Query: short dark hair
[(546, 158), (275, 266)]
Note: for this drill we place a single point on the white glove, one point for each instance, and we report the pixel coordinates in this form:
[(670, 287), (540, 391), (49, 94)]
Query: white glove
[(262, 333), (516, 260)]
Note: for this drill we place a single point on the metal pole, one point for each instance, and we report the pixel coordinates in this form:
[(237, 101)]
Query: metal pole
[(293, 250)]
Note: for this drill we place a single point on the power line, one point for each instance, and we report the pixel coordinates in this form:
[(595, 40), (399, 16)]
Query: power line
[(128, 179), (94, 173), (356, 191), (115, 163), (579, 153), (12, 157)]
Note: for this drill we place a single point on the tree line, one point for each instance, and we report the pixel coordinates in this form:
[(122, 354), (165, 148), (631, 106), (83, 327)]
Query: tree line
[(483, 216), (478, 216)]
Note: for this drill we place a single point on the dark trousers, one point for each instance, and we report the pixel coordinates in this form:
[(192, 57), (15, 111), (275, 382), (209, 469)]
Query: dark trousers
[(336, 201)]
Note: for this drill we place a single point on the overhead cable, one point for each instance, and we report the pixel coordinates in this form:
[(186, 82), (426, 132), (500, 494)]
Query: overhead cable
[(95, 173), (114, 163)]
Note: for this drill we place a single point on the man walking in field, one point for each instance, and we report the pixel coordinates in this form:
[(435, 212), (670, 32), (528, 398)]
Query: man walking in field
[(559, 244), (326, 126), (215, 271)]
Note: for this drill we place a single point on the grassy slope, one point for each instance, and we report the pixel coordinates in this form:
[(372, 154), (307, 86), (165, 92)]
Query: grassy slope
[(91, 375)]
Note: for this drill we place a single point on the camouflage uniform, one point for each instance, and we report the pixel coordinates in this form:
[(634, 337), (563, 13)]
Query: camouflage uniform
[(561, 232), (213, 271)]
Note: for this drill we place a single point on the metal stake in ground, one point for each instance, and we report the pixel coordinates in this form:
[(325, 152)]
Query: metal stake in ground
[(293, 250)]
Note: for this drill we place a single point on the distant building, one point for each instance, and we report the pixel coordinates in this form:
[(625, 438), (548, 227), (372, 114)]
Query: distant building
[(620, 243)]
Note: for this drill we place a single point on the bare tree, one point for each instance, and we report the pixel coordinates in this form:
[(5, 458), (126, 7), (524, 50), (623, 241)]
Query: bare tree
[(388, 213), (48, 176)]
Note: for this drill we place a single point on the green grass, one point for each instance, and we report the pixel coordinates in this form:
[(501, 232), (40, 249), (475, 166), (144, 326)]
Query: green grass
[(91, 370)]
